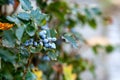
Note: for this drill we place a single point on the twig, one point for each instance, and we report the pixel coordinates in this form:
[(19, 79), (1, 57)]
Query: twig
[(27, 65)]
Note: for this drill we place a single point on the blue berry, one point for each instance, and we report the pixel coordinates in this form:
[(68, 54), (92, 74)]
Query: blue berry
[(31, 40), (26, 43), (46, 45), (35, 43), (53, 45), (40, 43), (49, 38), (46, 58), (49, 44), (43, 36), (31, 43), (45, 40), (43, 32), (53, 39)]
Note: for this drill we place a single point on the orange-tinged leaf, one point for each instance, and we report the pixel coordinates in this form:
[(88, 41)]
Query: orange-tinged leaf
[(5, 26)]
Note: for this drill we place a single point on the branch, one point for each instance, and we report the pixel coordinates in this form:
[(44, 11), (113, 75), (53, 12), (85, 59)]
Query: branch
[(27, 65)]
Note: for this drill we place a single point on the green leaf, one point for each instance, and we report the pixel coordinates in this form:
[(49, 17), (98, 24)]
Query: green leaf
[(52, 55), (81, 18), (13, 19), (92, 23), (30, 30), (6, 55), (35, 13), (72, 23), (94, 48), (24, 52), (71, 40), (35, 49), (7, 68), (78, 36), (38, 17), (8, 39), (26, 5), (24, 16), (109, 48), (88, 13), (51, 33), (96, 11), (30, 76), (19, 32), (25, 37)]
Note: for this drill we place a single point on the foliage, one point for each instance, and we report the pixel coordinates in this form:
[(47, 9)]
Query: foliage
[(14, 47), (107, 48)]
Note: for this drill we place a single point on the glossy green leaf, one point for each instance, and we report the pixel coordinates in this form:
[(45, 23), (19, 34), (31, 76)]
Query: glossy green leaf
[(24, 52), (35, 49), (19, 32), (6, 55), (38, 17), (26, 5), (51, 33), (52, 55), (6, 70), (71, 40), (35, 13), (8, 38), (13, 19), (30, 30), (24, 16)]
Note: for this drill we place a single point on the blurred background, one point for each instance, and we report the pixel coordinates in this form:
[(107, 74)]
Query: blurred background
[(107, 64)]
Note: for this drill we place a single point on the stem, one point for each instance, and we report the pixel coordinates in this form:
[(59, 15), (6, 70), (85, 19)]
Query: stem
[(15, 6), (27, 65)]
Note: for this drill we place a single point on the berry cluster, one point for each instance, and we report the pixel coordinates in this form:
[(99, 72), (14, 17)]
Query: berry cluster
[(44, 41), (48, 42), (31, 42)]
